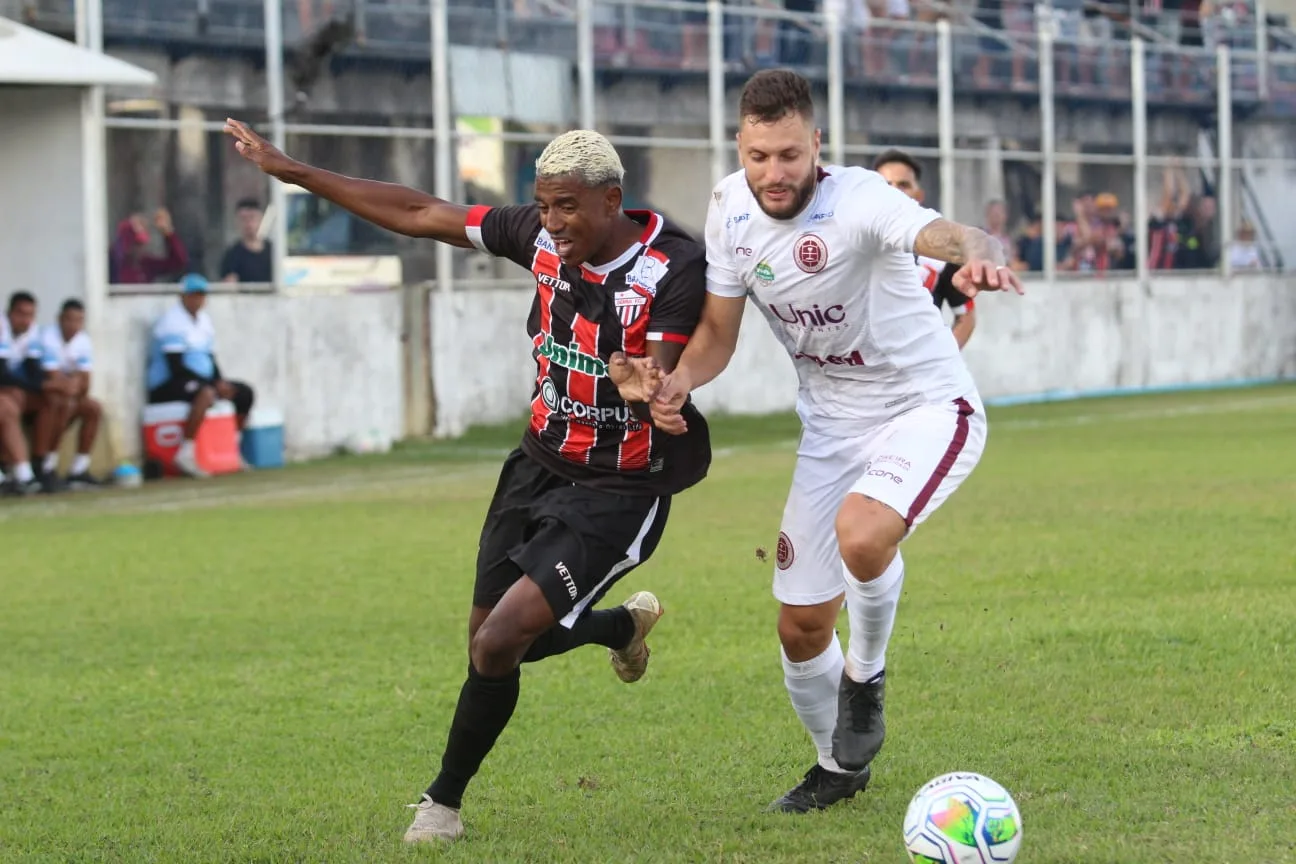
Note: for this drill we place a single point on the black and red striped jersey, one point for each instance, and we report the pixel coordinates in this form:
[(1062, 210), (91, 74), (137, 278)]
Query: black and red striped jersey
[(581, 428)]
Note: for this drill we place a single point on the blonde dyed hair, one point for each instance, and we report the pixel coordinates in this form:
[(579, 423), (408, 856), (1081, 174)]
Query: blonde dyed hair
[(583, 154)]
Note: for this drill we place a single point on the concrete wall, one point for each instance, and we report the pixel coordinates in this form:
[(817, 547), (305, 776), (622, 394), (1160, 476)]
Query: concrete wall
[(41, 244), (333, 365), (1075, 335)]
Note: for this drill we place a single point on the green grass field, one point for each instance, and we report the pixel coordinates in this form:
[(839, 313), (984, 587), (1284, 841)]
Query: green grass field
[(262, 668)]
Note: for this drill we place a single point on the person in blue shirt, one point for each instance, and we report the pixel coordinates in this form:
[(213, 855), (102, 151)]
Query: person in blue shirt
[(182, 367)]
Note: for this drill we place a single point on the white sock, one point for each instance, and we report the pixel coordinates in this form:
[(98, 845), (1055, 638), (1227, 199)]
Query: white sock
[(871, 610), (81, 464), (186, 449), (812, 686), (51, 463), (23, 473)]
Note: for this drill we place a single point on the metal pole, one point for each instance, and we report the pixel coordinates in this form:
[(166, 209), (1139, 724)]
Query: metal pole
[(1048, 195), (1262, 47), (716, 89), (585, 60), (1224, 192), (945, 116), (274, 48), (94, 170), (443, 179), (836, 88), (1138, 84)]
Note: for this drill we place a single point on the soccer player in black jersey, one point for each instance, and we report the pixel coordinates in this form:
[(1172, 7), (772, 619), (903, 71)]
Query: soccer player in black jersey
[(585, 497)]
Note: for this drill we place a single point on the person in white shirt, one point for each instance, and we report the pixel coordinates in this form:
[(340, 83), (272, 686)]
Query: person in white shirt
[(24, 385), (182, 368), (902, 172), (21, 479), (67, 358), (892, 422)]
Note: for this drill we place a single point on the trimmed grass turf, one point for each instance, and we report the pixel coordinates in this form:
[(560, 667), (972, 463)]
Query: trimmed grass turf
[(263, 668)]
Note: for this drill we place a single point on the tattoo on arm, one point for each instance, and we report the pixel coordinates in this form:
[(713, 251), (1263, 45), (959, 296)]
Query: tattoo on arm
[(958, 244)]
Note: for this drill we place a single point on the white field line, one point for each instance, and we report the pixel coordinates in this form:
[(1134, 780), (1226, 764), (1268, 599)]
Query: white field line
[(184, 495)]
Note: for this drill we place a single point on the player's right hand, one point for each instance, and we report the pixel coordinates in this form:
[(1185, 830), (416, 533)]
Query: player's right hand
[(637, 379), (668, 405), (256, 149)]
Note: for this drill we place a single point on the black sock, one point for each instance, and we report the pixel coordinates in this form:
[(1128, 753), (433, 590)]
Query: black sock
[(485, 706), (612, 628)]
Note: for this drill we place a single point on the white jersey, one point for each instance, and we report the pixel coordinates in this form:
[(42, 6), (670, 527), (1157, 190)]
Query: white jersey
[(70, 356), (839, 288)]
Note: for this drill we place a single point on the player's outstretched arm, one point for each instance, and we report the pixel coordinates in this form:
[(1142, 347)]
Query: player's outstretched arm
[(706, 356), (396, 208), (984, 267)]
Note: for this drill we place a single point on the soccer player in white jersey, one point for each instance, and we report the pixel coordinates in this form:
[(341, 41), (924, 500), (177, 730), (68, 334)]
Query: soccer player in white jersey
[(903, 172), (892, 422), (68, 360)]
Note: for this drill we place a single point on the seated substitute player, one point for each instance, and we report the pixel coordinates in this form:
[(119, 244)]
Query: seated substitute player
[(21, 479), (182, 367), (903, 172), (68, 359), (892, 423), (26, 386), (585, 497)]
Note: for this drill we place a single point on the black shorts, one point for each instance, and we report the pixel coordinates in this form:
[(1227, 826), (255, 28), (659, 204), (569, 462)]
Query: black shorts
[(184, 390), (573, 541)]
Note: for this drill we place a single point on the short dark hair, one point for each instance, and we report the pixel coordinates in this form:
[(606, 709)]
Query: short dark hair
[(71, 305), (20, 297), (772, 94), (248, 204), (898, 156)]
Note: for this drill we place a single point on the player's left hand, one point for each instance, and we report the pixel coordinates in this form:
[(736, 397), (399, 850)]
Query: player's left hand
[(637, 378), (980, 275)]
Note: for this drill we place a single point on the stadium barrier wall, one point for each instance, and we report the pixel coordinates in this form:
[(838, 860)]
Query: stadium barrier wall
[(1066, 338), (334, 365)]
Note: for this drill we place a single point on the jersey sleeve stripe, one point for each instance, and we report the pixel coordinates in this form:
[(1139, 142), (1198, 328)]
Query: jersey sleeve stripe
[(473, 226), (678, 338)]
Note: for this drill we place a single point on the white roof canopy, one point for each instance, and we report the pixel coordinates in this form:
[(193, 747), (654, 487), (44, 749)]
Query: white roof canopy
[(28, 56)]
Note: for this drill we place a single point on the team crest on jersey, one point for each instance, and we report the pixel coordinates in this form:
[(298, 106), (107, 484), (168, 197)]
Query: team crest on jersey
[(629, 304), (764, 272), (811, 253)]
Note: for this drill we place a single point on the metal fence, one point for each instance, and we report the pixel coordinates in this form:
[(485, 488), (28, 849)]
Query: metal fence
[(1049, 58)]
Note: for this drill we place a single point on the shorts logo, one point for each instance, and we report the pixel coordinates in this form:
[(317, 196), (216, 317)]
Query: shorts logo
[(811, 253), (567, 579), (785, 554)]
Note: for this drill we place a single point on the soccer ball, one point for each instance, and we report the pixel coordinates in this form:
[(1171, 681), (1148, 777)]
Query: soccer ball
[(962, 818)]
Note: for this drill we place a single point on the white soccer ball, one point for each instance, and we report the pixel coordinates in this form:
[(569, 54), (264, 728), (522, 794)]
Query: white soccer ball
[(962, 818)]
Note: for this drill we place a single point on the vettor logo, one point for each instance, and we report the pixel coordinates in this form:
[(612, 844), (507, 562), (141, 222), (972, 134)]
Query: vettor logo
[(571, 357), (810, 318)]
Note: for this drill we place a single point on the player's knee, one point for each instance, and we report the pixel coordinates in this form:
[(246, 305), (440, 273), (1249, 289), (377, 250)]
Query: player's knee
[(867, 533), (493, 650), (8, 409), (204, 398), (91, 409), (805, 631)]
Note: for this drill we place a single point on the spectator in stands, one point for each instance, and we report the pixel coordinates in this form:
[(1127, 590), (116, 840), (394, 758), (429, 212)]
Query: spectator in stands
[(1030, 246), (248, 259), (182, 368), (130, 264), (68, 359), (996, 225), (1198, 236), (26, 386), (1243, 252), (794, 36)]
